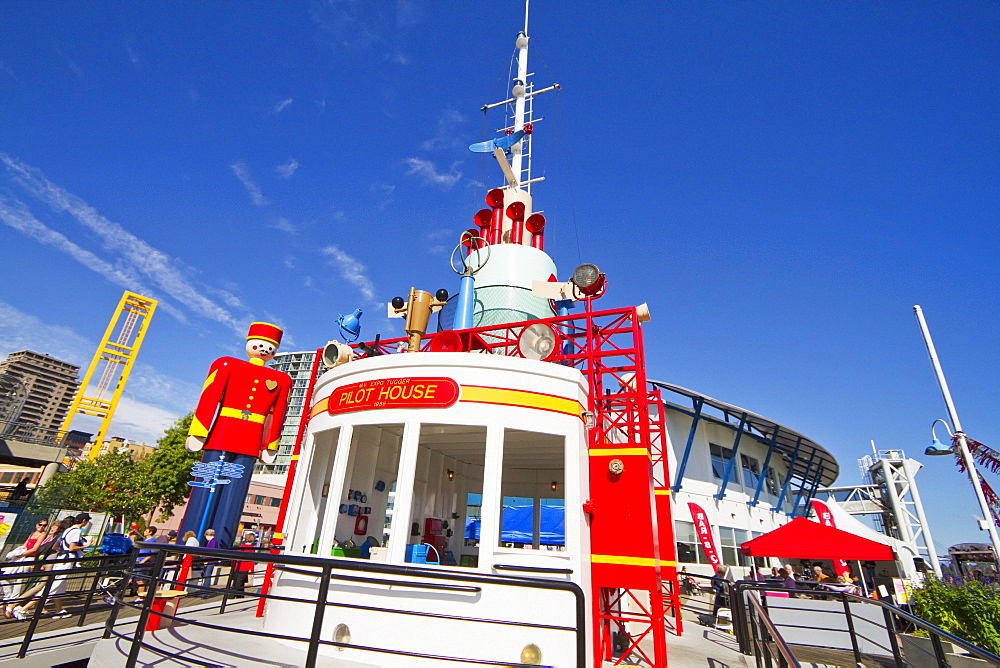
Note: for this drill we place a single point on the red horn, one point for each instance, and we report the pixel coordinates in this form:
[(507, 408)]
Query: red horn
[(483, 218), (535, 224)]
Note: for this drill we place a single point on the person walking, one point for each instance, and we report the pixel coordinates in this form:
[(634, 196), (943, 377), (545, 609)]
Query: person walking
[(63, 558), (19, 560), (208, 565), (244, 569), (720, 583)]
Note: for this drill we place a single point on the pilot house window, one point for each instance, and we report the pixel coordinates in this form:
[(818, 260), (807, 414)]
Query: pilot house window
[(533, 510)]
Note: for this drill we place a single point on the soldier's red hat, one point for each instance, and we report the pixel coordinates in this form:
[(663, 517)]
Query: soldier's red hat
[(265, 331)]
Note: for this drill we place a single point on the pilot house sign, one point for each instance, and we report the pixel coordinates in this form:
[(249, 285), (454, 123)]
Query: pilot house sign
[(394, 393)]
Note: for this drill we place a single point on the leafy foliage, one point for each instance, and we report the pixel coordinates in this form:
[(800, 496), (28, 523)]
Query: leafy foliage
[(970, 611), (112, 483), (117, 484), (170, 467)]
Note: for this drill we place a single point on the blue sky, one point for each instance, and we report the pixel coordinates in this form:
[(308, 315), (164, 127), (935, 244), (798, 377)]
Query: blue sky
[(780, 181)]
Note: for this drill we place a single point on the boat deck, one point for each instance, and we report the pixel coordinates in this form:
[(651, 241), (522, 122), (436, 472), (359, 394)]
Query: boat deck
[(62, 642)]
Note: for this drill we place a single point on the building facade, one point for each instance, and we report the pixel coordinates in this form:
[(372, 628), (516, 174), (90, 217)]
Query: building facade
[(748, 475), (119, 444), (50, 385), (298, 365)]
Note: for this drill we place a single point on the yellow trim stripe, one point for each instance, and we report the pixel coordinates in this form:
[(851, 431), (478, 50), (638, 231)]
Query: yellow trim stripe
[(496, 395), (631, 561), (522, 398), (319, 407), (616, 452), (624, 561), (209, 380), (237, 413), (197, 428), (661, 492)]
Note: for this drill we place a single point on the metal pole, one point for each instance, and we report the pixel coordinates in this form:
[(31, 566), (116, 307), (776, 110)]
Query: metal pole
[(918, 506), (963, 447)]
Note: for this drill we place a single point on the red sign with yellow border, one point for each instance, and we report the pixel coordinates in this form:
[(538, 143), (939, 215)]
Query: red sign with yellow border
[(393, 393)]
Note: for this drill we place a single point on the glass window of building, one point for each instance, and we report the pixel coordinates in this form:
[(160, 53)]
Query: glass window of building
[(720, 459), (689, 549), (731, 539), (772, 481), (751, 471)]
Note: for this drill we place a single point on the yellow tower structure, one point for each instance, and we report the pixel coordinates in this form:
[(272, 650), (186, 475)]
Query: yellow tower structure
[(131, 320)]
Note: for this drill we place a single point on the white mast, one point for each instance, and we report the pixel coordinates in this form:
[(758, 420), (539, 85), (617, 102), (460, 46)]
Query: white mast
[(518, 91)]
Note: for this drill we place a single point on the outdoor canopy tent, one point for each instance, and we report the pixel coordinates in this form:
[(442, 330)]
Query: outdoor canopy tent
[(805, 539)]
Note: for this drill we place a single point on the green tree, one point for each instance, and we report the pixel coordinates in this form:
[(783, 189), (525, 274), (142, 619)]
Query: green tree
[(125, 488), (113, 483), (170, 467)]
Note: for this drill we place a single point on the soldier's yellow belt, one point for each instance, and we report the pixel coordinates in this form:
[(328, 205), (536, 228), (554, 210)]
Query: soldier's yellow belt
[(242, 415)]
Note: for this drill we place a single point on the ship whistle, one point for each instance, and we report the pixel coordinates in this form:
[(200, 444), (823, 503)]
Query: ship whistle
[(417, 310)]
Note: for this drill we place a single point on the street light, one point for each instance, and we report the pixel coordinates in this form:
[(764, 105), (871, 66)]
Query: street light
[(959, 435), (936, 448)]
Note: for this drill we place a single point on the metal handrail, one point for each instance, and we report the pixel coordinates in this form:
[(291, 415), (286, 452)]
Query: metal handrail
[(323, 568), (890, 614), (788, 659), (106, 565)]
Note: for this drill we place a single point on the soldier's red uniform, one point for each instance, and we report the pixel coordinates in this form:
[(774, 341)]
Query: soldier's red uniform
[(242, 406)]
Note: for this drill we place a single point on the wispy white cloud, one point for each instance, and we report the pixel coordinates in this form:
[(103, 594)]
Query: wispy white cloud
[(133, 55), (282, 225), (148, 384), (445, 135), (15, 214), (350, 270), (426, 170), (242, 172), (286, 170), (281, 106), (23, 331), (138, 421), (134, 258)]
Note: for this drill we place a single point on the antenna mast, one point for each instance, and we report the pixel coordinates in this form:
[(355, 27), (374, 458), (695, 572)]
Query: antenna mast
[(519, 92)]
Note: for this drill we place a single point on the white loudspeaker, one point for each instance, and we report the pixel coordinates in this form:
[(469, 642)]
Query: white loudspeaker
[(336, 353), (642, 312), (537, 342)]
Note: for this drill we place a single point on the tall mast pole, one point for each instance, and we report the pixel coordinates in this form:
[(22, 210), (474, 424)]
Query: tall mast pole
[(518, 91), (963, 447)]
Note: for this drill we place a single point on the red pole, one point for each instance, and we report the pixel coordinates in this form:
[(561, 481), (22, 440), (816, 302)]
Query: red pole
[(516, 214), (277, 538), (494, 199)]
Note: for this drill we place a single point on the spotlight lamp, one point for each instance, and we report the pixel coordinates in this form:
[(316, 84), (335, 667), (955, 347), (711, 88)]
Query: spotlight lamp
[(554, 485), (451, 474), (937, 448), (589, 280)]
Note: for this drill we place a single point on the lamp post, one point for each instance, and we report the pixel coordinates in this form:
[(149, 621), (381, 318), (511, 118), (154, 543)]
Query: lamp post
[(963, 447)]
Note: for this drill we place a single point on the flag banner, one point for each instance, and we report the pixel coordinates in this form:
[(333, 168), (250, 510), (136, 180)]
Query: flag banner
[(826, 519), (704, 531)]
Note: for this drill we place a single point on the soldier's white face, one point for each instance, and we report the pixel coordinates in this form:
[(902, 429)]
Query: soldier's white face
[(262, 349)]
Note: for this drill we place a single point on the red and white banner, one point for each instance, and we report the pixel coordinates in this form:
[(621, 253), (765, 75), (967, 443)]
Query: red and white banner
[(826, 519), (704, 531)]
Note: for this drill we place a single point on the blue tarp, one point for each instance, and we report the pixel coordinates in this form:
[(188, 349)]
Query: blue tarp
[(518, 524)]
